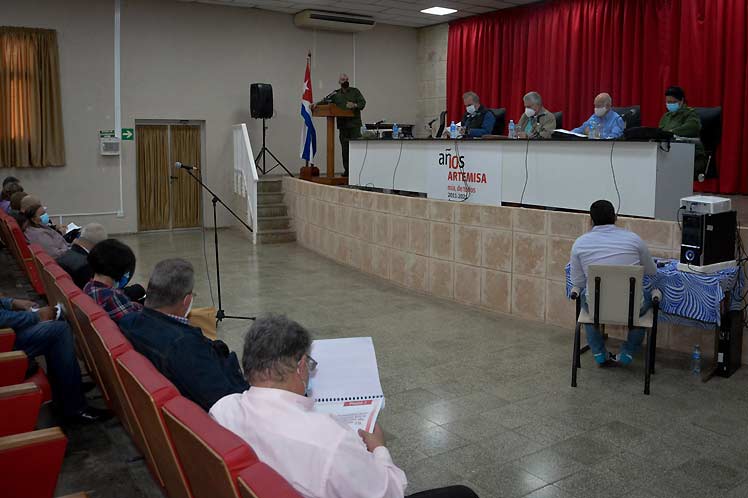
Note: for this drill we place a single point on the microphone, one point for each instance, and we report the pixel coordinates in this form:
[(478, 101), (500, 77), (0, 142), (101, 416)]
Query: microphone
[(179, 165), (432, 121), (327, 98)]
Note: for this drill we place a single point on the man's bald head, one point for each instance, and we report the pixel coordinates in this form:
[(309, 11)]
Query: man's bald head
[(604, 100), (343, 78)]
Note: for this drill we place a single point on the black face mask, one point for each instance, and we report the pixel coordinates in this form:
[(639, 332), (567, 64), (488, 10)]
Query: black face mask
[(344, 84)]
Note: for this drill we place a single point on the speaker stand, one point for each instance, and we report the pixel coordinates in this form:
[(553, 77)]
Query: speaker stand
[(265, 150)]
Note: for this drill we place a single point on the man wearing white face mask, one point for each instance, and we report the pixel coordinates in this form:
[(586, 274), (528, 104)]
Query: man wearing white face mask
[(536, 121), (604, 123), (478, 120), (203, 370)]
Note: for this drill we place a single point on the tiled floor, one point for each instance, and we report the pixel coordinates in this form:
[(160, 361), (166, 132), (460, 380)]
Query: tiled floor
[(485, 399)]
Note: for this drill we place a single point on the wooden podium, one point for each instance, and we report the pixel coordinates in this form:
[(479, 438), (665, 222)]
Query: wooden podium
[(331, 111)]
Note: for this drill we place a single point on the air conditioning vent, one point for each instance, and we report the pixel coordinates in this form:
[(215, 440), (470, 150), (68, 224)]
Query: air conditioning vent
[(333, 21)]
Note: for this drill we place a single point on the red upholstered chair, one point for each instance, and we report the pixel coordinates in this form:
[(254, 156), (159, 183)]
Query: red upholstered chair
[(211, 456), (40, 258), (7, 339), (85, 311), (148, 391), (13, 365), (31, 462), (51, 272), (261, 481), (24, 254), (107, 344), (61, 290), (19, 405)]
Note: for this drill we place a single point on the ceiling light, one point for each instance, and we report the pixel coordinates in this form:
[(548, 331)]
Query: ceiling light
[(439, 11)]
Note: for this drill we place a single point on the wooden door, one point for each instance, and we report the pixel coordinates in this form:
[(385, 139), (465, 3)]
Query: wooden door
[(167, 197), (152, 143), (185, 148)]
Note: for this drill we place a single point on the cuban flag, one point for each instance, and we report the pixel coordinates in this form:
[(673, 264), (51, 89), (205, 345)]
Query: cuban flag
[(308, 133)]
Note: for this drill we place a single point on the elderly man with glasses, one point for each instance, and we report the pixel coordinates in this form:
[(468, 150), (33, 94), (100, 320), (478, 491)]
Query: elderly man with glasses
[(318, 455), (203, 370)]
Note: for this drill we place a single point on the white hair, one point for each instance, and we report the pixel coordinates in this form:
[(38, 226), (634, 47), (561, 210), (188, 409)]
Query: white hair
[(94, 233), (472, 95), (532, 98)]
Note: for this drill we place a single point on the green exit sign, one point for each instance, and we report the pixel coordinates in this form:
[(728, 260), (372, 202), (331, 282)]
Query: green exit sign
[(127, 134)]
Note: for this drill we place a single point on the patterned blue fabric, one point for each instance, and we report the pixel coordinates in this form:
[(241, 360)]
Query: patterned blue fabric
[(690, 296)]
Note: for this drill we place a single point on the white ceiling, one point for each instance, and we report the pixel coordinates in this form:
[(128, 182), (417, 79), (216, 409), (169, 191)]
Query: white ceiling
[(399, 12)]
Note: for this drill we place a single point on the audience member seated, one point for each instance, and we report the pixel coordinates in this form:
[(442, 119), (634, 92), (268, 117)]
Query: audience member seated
[(38, 230), (14, 209), (75, 261), (536, 121), (607, 244), (203, 370), (37, 333), (604, 121), (318, 455), (113, 264), (683, 121), (8, 190)]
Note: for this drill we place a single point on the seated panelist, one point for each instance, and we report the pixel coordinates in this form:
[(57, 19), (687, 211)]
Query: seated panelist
[(683, 121), (477, 121), (537, 121), (605, 120)]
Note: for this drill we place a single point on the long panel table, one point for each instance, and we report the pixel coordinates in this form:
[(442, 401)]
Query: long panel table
[(651, 177)]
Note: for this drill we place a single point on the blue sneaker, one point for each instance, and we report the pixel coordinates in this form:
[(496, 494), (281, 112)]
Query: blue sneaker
[(624, 359)]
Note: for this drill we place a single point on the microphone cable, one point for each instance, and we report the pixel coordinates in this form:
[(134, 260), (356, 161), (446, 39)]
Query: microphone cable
[(615, 181), (205, 252), (366, 151), (397, 164), (527, 172), (464, 176)]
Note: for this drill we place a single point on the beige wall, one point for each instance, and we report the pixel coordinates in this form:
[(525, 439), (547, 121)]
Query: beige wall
[(431, 75), (499, 259), (194, 61)]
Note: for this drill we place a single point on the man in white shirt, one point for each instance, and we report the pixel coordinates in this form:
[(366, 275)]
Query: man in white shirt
[(319, 456), (607, 244)]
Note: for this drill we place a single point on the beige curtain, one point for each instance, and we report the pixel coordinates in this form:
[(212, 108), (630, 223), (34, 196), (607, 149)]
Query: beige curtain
[(30, 103), (185, 148), (153, 177)]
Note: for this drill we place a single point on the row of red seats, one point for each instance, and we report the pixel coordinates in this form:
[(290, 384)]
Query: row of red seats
[(30, 460), (187, 452)]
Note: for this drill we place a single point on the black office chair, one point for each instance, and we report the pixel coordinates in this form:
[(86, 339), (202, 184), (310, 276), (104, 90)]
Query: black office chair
[(499, 124), (442, 119), (559, 119), (711, 136), (631, 115)]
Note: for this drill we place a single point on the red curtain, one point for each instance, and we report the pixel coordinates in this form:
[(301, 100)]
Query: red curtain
[(571, 50)]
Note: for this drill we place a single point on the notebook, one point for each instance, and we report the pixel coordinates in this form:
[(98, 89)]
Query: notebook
[(346, 381)]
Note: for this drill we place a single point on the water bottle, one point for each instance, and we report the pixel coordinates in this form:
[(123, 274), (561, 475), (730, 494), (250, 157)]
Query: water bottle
[(592, 132), (453, 130), (395, 131), (364, 130), (696, 362), (512, 129)]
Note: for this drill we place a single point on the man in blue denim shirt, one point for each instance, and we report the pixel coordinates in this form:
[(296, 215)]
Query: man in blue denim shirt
[(203, 370), (39, 334), (604, 119)]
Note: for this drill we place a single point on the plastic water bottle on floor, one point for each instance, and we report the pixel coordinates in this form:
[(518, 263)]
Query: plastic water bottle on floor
[(395, 131), (696, 362), (512, 129), (453, 130)]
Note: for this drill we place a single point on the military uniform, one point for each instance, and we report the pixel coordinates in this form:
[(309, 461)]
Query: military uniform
[(685, 122), (348, 128)]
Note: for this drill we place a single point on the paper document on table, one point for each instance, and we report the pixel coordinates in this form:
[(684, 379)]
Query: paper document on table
[(567, 132), (346, 381)]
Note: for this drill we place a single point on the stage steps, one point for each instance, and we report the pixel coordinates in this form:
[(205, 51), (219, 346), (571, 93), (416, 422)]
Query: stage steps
[(273, 222)]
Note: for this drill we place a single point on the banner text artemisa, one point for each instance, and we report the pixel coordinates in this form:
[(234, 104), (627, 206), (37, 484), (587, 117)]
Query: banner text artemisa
[(460, 183)]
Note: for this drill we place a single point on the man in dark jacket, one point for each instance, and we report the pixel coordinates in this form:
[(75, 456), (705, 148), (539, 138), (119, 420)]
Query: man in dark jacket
[(75, 261), (203, 370)]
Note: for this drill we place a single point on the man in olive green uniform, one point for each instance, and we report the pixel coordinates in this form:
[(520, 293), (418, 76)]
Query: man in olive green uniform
[(348, 97), (683, 121)]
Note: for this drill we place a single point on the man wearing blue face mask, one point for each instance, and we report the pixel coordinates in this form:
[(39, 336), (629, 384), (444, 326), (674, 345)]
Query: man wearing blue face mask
[(113, 264), (683, 121)]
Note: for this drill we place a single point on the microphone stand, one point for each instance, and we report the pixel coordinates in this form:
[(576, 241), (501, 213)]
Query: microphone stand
[(220, 314)]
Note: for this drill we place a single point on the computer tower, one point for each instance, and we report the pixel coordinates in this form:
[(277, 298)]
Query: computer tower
[(708, 238), (730, 344)]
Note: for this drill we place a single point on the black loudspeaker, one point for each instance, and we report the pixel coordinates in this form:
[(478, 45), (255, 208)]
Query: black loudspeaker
[(261, 100)]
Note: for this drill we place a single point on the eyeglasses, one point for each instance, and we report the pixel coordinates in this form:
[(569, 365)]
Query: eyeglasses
[(310, 362)]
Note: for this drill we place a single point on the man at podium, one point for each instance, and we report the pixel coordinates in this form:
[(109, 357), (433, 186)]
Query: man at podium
[(347, 97)]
